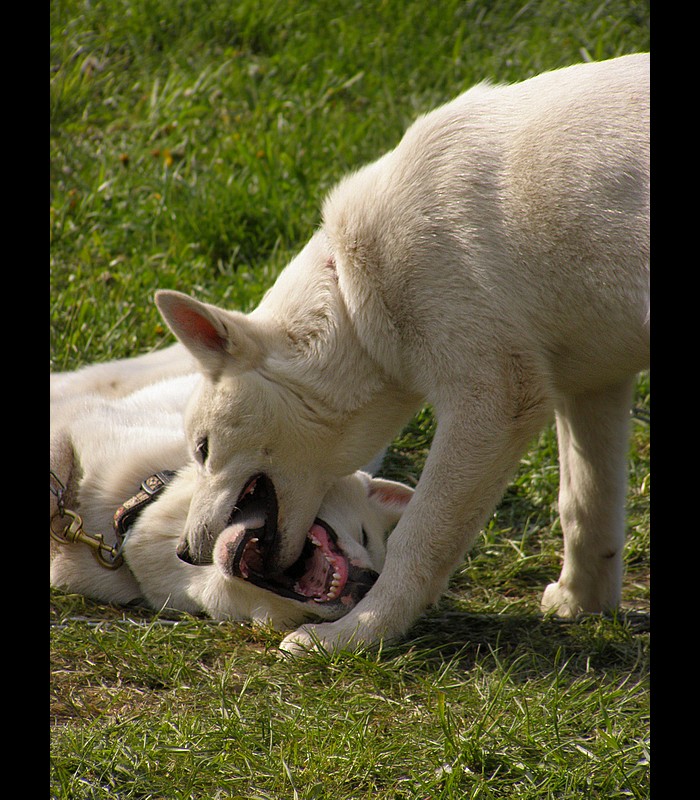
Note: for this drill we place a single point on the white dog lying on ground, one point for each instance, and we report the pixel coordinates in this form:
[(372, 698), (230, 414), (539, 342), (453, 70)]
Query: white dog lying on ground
[(104, 445), (494, 264)]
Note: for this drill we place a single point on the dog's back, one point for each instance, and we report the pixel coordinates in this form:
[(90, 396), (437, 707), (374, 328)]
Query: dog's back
[(525, 207)]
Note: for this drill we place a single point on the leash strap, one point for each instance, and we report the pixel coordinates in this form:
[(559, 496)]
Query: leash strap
[(126, 514)]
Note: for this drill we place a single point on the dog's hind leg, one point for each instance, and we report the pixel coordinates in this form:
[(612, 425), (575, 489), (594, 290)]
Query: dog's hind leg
[(593, 434)]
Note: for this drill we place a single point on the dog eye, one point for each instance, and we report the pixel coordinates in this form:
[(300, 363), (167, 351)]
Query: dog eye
[(201, 450), (364, 538)]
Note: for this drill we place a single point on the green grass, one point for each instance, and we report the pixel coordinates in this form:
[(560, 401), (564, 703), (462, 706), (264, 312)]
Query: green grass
[(191, 144)]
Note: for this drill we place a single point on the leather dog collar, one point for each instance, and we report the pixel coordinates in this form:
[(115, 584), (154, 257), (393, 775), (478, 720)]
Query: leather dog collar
[(127, 513)]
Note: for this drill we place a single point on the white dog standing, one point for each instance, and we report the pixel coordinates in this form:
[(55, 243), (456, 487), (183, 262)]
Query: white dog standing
[(494, 264), (108, 435)]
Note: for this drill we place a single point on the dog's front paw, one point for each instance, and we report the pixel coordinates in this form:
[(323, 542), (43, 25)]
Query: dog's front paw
[(560, 601), (327, 637), (598, 597), (303, 640)]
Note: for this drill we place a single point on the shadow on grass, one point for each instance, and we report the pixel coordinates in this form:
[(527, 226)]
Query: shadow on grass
[(529, 645), (534, 643)]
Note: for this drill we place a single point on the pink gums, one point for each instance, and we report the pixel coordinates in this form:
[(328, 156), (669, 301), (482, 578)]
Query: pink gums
[(326, 570)]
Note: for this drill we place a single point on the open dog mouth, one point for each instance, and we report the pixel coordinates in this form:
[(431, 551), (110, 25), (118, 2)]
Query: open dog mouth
[(323, 575)]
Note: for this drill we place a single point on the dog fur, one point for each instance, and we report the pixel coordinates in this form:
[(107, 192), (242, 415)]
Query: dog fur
[(495, 264), (114, 424)]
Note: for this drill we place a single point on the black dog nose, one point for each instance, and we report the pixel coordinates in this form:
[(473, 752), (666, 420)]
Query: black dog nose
[(183, 552)]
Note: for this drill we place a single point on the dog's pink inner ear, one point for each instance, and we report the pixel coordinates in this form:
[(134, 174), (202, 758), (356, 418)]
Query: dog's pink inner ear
[(199, 328), (389, 494)]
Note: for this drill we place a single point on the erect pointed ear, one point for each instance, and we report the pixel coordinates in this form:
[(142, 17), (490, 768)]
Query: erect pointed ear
[(215, 337), (389, 497)]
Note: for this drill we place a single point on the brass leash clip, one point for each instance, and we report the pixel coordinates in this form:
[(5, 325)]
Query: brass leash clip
[(72, 531)]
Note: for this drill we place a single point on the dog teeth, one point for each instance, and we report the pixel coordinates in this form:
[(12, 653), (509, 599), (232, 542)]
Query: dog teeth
[(333, 590), (331, 594)]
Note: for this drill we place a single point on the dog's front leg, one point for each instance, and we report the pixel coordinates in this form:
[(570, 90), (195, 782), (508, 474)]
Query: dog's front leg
[(593, 434), (472, 457)]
